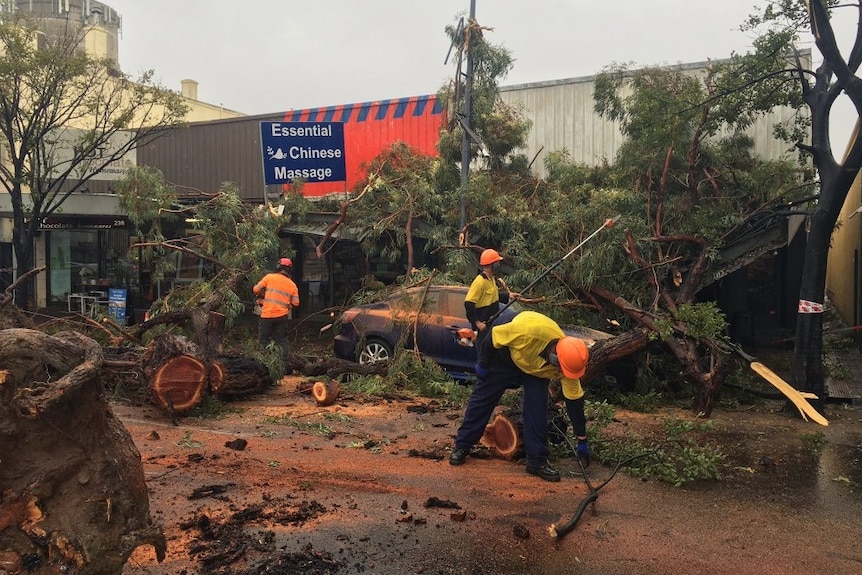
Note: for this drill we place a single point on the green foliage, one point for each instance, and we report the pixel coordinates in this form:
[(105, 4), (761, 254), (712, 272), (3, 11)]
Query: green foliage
[(682, 457), (213, 408), (423, 377), (834, 368), (374, 385), (641, 402), (231, 240), (702, 320), (410, 376), (303, 426), (601, 414), (397, 193), (338, 416), (499, 127)]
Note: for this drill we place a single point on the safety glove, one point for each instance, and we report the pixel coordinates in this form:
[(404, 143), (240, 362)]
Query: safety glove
[(481, 372), (583, 452)]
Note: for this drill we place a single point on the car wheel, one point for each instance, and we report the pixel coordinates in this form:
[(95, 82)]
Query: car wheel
[(375, 350)]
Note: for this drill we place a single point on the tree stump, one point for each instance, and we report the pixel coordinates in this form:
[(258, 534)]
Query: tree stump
[(179, 376), (72, 492), (503, 434), (325, 392), (163, 348)]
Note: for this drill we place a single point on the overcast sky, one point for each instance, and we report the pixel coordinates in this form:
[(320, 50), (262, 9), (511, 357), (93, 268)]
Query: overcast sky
[(264, 56)]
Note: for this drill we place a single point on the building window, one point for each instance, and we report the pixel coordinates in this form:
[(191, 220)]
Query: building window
[(81, 261)]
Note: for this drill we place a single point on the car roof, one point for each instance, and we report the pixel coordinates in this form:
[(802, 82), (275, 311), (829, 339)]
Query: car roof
[(421, 288)]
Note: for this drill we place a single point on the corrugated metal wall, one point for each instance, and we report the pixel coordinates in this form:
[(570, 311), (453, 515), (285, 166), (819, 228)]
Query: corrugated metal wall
[(203, 155), (563, 118), (562, 115), (370, 127)]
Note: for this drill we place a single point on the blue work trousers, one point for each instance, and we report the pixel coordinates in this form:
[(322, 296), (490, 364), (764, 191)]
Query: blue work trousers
[(485, 397)]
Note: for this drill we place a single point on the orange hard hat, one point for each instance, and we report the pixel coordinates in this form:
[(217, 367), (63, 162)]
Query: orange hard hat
[(573, 355), (489, 257), (285, 262)]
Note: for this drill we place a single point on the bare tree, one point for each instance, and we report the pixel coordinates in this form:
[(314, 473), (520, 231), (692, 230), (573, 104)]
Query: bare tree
[(820, 90), (834, 76), (64, 117)]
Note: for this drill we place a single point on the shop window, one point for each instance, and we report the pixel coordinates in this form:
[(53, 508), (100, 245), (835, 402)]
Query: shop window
[(73, 263), (83, 261)]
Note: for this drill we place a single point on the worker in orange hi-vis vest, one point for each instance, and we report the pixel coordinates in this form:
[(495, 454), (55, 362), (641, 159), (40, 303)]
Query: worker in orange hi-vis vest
[(278, 294)]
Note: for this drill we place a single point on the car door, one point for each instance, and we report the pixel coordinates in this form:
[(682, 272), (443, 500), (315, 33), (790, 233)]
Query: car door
[(451, 317), (428, 322), (441, 318), (421, 308)]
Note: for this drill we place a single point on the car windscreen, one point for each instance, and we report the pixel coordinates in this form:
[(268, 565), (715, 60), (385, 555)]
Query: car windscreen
[(452, 303), (410, 301)]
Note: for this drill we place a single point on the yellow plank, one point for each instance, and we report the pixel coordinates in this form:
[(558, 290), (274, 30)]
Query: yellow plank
[(806, 409)]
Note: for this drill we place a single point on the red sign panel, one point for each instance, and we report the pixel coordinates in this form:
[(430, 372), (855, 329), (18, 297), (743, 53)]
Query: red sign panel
[(371, 127)]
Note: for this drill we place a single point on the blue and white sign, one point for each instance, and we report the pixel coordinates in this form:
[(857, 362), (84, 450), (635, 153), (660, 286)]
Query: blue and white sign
[(311, 151), (117, 305)]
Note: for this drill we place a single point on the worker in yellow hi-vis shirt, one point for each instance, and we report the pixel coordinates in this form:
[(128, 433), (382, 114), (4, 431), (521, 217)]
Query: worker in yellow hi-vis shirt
[(527, 352), (486, 293)]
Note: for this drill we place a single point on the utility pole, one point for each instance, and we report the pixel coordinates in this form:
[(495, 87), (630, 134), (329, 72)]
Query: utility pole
[(465, 125)]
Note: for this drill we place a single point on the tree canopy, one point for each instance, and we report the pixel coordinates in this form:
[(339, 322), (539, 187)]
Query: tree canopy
[(64, 117)]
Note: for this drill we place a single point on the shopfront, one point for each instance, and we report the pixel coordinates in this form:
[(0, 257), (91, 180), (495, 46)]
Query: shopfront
[(86, 256)]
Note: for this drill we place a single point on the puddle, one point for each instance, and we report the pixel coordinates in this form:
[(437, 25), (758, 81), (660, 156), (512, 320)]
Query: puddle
[(839, 477)]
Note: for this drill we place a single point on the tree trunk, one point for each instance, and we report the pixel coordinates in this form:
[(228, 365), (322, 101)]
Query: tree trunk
[(808, 346), (74, 496), (605, 352), (233, 376), (176, 377), (179, 375), (179, 384), (10, 315), (22, 239), (209, 330)]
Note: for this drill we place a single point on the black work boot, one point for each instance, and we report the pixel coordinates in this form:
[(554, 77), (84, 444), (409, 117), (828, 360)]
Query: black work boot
[(545, 471), (458, 456)]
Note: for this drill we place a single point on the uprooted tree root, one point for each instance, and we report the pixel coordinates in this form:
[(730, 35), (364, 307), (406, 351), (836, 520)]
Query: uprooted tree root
[(72, 492)]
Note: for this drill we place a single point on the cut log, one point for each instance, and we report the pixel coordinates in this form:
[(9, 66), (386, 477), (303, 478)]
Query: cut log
[(164, 347), (73, 496), (326, 393), (235, 376), (179, 375), (503, 434), (179, 384)]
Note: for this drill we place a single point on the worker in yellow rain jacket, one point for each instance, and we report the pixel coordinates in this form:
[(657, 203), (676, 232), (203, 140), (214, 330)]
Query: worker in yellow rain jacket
[(527, 352), (278, 294)]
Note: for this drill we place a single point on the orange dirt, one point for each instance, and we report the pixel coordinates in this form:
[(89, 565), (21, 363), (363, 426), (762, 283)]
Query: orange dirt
[(282, 485)]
